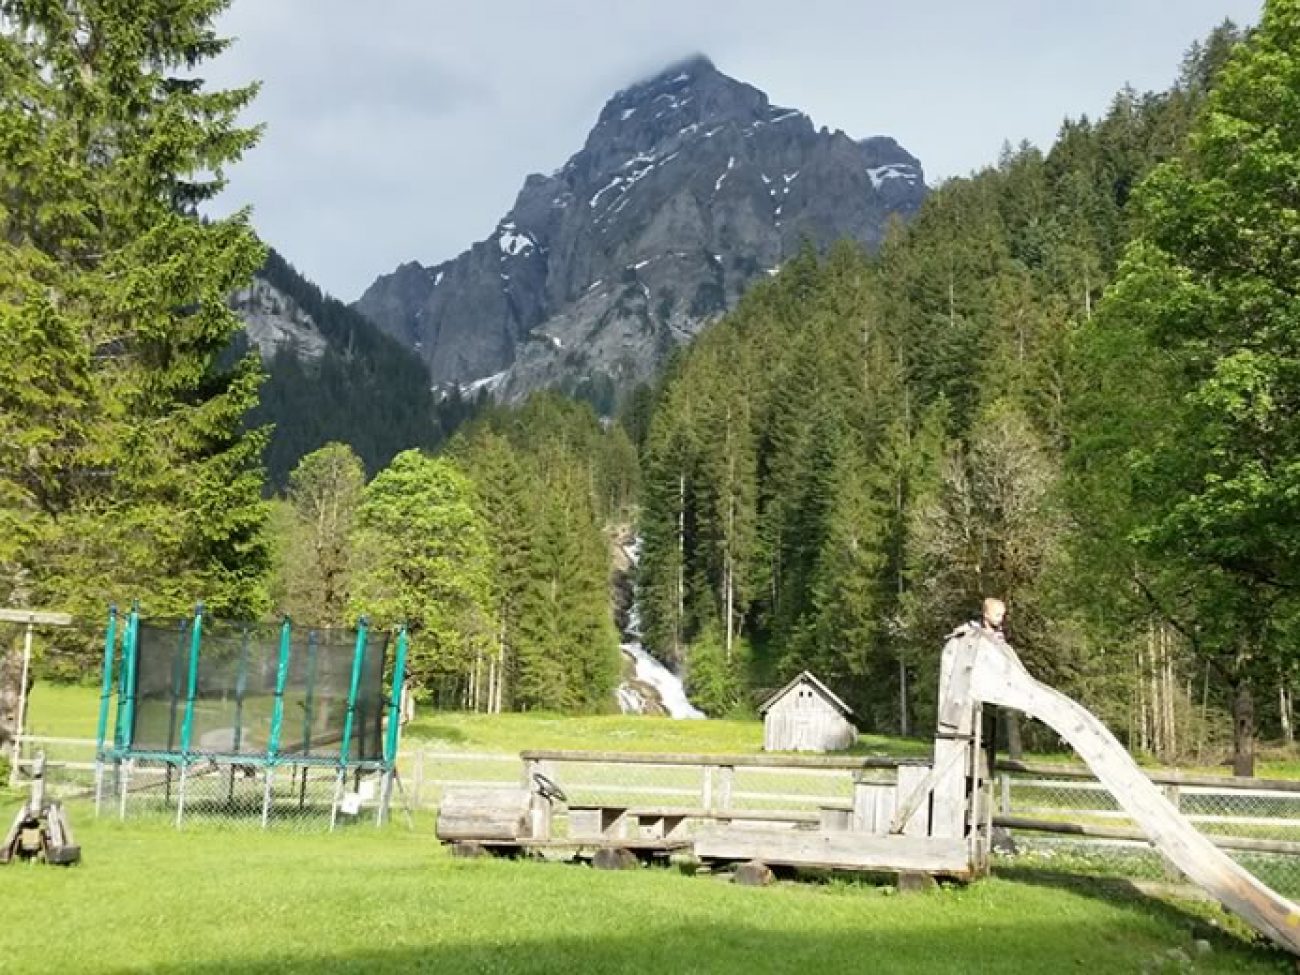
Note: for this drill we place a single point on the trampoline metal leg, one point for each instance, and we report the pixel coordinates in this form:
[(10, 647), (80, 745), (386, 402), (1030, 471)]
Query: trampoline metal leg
[(180, 793), (338, 797), (124, 783), (266, 796)]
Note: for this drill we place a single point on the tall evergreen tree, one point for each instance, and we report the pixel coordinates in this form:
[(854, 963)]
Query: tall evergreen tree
[(124, 468)]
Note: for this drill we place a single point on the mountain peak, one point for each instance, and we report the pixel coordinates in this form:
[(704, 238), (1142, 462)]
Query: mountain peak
[(691, 88), (684, 69), (690, 186)]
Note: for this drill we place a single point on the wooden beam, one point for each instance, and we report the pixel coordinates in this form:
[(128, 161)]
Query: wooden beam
[(1161, 776), (1063, 828), (835, 850), (35, 617), (747, 761)]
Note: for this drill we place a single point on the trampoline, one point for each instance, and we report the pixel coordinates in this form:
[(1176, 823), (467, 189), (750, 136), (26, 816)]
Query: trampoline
[(247, 720)]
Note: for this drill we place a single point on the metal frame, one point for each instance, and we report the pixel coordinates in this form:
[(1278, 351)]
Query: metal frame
[(120, 675)]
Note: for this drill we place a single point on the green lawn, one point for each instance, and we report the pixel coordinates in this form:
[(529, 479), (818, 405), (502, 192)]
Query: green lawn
[(627, 733), (147, 898)]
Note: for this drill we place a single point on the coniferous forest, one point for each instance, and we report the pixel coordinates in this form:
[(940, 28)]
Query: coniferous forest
[(1071, 381)]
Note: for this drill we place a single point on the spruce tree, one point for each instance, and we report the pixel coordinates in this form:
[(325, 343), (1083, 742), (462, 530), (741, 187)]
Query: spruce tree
[(124, 466)]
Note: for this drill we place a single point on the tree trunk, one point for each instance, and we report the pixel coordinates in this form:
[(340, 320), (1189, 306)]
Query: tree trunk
[(1015, 747), (1284, 710), (11, 676), (1243, 729), (904, 726)]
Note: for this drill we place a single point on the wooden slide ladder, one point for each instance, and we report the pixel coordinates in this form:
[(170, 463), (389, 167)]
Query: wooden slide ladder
[(980, 668)]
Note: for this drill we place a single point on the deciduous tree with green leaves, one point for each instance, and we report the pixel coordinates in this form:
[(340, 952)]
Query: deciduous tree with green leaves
[(315, 555), (1196, 461), (428, 564)]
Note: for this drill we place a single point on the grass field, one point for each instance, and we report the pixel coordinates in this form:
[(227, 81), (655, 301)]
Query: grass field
[(151, 899), (148, 898), (71, 711)]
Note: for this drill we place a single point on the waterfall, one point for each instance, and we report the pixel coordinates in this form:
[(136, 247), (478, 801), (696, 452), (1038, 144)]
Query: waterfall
[(654, 687)]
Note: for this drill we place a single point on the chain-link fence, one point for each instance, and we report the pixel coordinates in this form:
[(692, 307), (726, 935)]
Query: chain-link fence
[(204, 791), (1066, 820)]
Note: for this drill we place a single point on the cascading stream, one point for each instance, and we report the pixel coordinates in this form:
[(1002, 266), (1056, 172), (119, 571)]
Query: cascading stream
[(655, 688)]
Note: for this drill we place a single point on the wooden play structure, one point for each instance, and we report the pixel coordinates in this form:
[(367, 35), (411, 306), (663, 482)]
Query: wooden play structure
[(920, 818), (41, 831)]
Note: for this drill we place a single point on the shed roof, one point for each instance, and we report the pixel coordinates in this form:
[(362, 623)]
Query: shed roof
[(806, 677)]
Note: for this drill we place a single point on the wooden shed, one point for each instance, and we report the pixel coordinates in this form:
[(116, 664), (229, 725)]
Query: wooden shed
[(806, 716)]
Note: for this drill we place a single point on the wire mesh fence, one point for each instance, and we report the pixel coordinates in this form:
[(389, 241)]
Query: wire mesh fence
[(204, 791), (1256, 822), (314, 797)]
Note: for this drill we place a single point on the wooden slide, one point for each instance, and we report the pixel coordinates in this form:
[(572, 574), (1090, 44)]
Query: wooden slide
[(981, 668)]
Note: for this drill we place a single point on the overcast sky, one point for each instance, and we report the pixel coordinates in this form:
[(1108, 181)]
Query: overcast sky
[(401, 130)]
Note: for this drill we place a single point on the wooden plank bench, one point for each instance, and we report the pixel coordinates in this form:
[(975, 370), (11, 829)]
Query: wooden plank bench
[(618, 822)]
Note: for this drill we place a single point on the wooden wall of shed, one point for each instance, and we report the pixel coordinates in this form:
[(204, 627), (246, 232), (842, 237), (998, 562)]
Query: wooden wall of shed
[(804, 721)]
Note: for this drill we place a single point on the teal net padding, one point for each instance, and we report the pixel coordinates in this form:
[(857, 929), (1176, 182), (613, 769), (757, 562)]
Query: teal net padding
[(235, 691)]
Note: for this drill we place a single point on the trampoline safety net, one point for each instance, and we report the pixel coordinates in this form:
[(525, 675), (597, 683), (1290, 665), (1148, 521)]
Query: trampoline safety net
[(235, 692)]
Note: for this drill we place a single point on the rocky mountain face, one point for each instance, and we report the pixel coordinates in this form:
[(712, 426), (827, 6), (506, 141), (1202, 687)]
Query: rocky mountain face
[(274, 322), (332, 376), (690, 186)]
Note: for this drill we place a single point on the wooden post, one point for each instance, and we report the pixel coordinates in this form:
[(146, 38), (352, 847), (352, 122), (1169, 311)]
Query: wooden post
[(32, 619), (726, 776)]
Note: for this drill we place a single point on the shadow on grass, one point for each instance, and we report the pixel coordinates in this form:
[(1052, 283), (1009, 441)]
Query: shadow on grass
[(1197, 913), (1037, 944)]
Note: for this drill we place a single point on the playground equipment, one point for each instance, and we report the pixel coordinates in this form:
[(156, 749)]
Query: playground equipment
[(244, 719), (41, 830), (909, 817), (29, 619)]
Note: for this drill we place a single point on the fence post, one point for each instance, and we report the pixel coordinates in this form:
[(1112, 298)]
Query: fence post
[(726, 774), (1175, 796)]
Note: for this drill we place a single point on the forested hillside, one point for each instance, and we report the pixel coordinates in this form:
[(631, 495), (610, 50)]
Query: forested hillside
[(1071, 381), (837, 472), (364, 389), (494, 553)]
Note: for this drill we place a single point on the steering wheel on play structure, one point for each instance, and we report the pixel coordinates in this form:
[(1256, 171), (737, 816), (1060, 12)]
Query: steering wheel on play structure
[(548, 789)]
